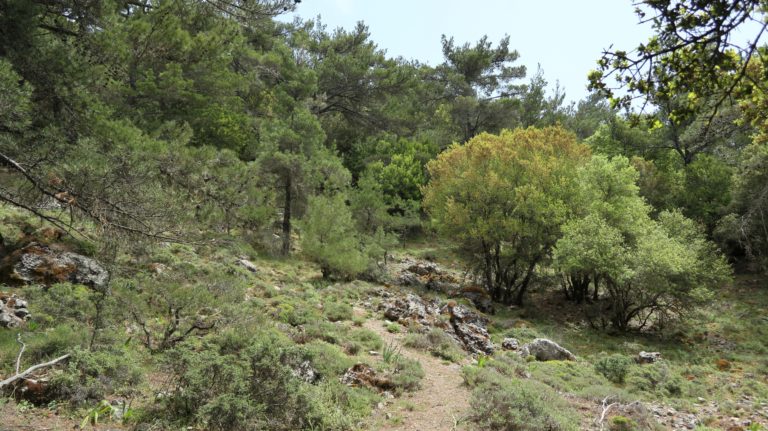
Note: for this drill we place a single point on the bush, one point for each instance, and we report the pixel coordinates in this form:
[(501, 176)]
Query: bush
[(614, 367), (362, 340), (330, 239), (92, 376), (327, 359), (507, 364), (406, 374), (621, 423), (336, 311), (224, 384), (656, 379), (436, 342), (567, 376), (524, 405)]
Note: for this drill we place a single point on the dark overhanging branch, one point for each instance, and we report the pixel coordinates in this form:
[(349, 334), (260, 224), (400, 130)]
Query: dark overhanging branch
[(71, 199)]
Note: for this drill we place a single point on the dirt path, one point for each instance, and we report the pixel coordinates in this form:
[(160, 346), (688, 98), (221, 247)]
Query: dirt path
[(441, 403)]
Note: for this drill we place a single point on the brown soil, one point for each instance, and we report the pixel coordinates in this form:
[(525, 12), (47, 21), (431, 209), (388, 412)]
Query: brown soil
[(441, 403), (15, 417)]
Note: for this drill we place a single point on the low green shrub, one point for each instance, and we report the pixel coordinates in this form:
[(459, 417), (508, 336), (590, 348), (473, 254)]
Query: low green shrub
[(336, 311), (622, 423), (436, 342), (567, 376), (362, 340), (614, 367), (327, 359), (523, 405), (406, 374), (655, 379), (222, 383), (91, 376)]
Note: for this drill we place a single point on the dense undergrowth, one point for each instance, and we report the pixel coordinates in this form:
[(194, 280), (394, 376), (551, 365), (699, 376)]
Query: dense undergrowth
[(243, 371)]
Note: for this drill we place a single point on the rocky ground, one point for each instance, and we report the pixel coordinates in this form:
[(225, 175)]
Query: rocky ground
[(418, 296)]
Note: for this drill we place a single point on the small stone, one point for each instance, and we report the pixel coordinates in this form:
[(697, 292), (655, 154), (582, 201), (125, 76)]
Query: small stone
[(247, 264), (510, 344), (648, 357)]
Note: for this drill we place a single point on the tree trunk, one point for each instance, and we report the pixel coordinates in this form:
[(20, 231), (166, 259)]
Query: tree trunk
[(596, 294), (287, 217), (524, 284)]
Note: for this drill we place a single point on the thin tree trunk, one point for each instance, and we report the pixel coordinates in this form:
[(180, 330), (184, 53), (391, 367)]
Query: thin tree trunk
[(287, 216), (524, 284)]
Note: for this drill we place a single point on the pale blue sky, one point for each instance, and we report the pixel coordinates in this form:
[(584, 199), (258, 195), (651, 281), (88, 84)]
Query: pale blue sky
[(565, 37)]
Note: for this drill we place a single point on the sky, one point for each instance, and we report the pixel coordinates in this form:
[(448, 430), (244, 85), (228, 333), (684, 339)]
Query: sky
[(564, 37)]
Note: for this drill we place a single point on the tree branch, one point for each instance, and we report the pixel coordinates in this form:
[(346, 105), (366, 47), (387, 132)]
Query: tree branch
[(19, 376)]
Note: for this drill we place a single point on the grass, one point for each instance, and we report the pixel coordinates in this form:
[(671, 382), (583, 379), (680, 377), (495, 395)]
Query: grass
[(437, 343), (317, 319)]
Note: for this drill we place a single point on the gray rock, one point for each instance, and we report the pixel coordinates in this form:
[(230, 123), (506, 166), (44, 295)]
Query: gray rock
[(363, 375), (481, 301), (247, 264), (306, 372), (469, 329), (648, 357), (441, 286), (510, 344), (7, 320), (408, 279), (40, 264), (13, 311), (424, 268), (546, 350)]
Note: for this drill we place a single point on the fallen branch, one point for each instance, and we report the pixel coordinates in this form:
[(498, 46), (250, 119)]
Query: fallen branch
[(19, 376), (21, 351), (605, 411)]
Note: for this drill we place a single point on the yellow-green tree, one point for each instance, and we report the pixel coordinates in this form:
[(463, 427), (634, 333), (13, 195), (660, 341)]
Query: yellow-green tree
[(503, 199)]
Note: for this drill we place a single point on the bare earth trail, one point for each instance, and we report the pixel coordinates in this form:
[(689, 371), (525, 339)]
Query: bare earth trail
[(441, 403)]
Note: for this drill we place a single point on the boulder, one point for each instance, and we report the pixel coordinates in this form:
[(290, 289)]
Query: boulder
[(439, 285), (469, 329), (510, 344), (13, 311), (306, 372), (424, 268), (38, 263), (546, 350), (363, 375), (408, 279), (480, 300), (466, 327), (648, 357), (410, 308), (247, 264)]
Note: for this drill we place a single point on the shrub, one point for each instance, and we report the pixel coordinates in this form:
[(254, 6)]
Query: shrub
[(622, 423), (524, 405), (327, 359), (394, 328), (436, 342), (406, 374), (513, 190), (614, 367), (567, 376), (92, 376), (362, 340), (330, 239), (337, 310), (224, 383), (656, 379)]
